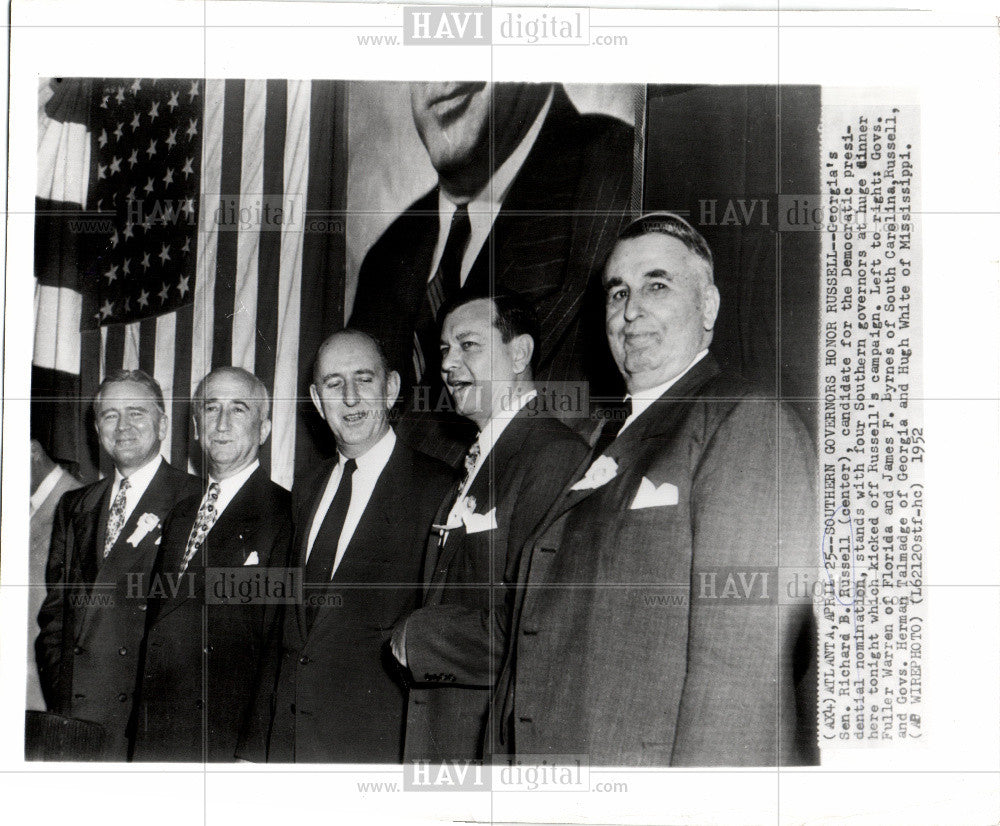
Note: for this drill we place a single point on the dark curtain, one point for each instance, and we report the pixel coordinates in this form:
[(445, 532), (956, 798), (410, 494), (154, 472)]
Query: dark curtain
[(721, 156)]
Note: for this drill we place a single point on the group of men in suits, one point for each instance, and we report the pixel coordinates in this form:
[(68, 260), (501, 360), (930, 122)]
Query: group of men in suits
[(526, 585)]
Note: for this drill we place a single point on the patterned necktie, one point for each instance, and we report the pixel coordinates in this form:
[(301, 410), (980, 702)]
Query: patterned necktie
[(202, 524), (470, 463), (116, 517), (447, 281)]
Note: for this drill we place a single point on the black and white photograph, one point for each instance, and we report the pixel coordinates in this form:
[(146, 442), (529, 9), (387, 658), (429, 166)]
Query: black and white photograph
[(488, 410)]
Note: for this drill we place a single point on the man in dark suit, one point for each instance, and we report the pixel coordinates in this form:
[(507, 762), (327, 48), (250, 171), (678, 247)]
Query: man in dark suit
[(330, 693), (515, 469), (104, 542), (49, 482), (624, 647), (529, 199), (205, 632)]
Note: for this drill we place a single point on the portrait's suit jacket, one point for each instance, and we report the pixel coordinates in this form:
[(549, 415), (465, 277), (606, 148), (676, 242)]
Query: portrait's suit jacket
[(454, 645), (623, 648), (201, 658), (557, 224), (41, 535), (93, 615), (330, 693)]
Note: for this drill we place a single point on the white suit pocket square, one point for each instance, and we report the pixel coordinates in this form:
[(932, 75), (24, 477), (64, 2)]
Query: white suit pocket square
[(654, 496), (476, 522), (253, 559)]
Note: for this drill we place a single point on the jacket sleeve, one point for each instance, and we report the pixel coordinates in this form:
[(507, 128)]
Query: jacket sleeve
[(54, 613), (468, 645), (751, 505)]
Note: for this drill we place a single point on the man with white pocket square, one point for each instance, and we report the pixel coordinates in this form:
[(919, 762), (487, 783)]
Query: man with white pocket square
[(522, 459), (648, 624), (204, 642)]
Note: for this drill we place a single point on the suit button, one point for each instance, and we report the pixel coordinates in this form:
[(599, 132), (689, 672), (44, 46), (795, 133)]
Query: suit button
[(79, 696), (77, 649), (304, 659), (529, 632), (524, 719), (122, 651), (209, 649), (122, 697), (199, 704), (547, 550)]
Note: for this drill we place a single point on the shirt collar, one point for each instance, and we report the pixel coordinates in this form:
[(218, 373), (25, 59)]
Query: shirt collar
[(229, 487), (485, 204), (494, 428), (644, 399), (141, 477), (45, 488), (375, 458)]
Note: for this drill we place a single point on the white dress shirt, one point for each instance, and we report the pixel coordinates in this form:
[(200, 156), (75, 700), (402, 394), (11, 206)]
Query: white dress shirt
[(138, 481), (642, 400), (228, 488), (485, 204), (45, 488), (488, 437), (369, 467)]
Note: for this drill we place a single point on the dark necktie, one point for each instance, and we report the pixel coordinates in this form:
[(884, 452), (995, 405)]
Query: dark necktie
[(319, 566), (447, 281)]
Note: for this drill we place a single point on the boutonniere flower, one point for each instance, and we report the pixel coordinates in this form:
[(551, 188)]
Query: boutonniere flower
[(602, 471), (147, 522)]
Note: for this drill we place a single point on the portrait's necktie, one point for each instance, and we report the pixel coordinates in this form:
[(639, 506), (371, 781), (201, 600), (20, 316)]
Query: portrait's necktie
[(447, 281), (116, 517), (319, 566), (202, 524)]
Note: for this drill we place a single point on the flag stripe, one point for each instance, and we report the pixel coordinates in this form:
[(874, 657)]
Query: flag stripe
[(270, 243), (130, 357), (114, 348), (204, 297), (162, 368), (225, 276), (147, 345), (184, 352), (296, 172), (57, 328), (248, 237)]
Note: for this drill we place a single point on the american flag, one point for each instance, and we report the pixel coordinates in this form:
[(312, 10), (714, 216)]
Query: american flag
[(158, 246)]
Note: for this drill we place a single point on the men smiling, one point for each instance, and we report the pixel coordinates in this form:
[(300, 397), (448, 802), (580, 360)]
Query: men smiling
[(361, 520)]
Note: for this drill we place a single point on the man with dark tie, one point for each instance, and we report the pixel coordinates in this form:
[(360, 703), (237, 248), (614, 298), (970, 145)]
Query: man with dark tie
[(204, 642), (330, 693), (530, 197), (517, 466), (619, 650), (104, 542)]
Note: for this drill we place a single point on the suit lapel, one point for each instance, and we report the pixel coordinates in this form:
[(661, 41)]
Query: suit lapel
[(88, 531)]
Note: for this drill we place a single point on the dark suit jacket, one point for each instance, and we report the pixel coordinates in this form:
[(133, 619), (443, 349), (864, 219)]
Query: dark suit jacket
[(643, 663), (93, 616), (455, 642), (557, 224), (330, 694), (41, 535), (201, 658)]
